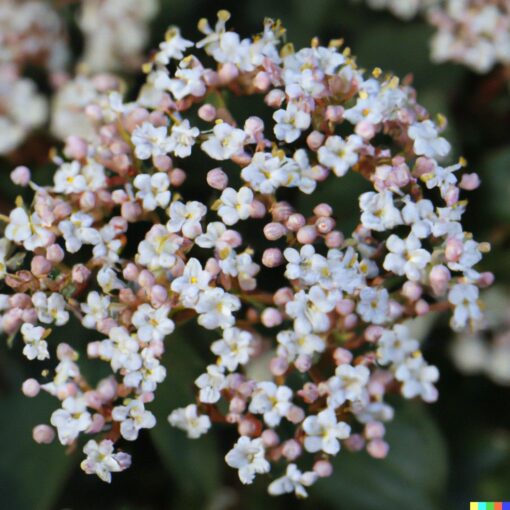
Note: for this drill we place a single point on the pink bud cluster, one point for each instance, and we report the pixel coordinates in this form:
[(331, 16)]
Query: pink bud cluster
[(315, 301)]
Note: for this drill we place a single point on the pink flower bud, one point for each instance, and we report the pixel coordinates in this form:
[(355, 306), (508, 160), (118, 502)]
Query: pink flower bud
[(365, 129), (94, 112), (374, 430), (486, 280), (21, 176), (470, 182), (378, 448), (257, 209), (88, 200), (80, 274), (237, 405), (227, 73), (323, 210), (210, 78), (291, 449), (249, 426), (207, 112), (55, 253), (345, 306), (355, 443), (295, 415), (177, 177), (303, 363), (342, 356), (212, 267), (422, 307), (454, 249), (30, 388), (146, 279), (439, 278), (107, 389), (423, 166), (452, 196), (295, 222), (323, 468), (325, 224), (271, 317), (217, 179), (309, 393), (314, 140), (20, 300), (373, 333), (29, 315), (278, 366), (40, 266), (65, 351), (283, 296), (395, 309), (105, 325), (93, 349), (307, 234), (272, 257), (334, 239), (163, 162), (261, 81), (350, 321), (412, 290), (159, 295), (273, 231), (254, 128), (270, 438), (130, 272), (43, 434), (75, 148), (131, 211), (232, 238), (281, 211), (275, 98), (119, 196), (62, 210), (97, 424)]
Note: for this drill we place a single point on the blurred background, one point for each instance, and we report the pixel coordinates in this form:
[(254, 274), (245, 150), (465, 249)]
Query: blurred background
[(442, 456)]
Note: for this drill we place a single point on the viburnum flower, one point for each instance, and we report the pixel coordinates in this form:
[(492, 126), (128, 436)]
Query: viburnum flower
[(308, 333)]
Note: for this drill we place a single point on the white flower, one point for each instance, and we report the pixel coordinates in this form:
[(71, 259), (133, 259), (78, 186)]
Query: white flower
[(291, 345), (406, 257), (150, 141), (305, 265), (310, 310), (215, 307), (35, 346), (186, 218), (121, 349), (182, 138), (418, 378), (427, 142), (153, 190), (148, 376), (133, 417), (68, 179), (188, 419), (212, 236), (95, 309), (172, 47), (107, 280), (465, 299), (419, 215), (323, 432), (273, 401), (348, 383), (187, 80), (470, 256), (235, 205), (158, 249), (395, 345), (339, 154), (18, 228), (224, 142), (290, 123), (248, 456), (4, 252), (293, 481), (101, 460), (379, 212), (50, 309), (373, 305), (245, 270), (152, 323), (72, 419), (192, 281), (211, 383), (234, 348), (266, 173), (94, 175), (78, 230)]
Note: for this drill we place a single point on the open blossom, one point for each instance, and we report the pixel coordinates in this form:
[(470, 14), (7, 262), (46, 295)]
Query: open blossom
[(50, 308), (235, 205), (190, 421), (293, 481), (224, 142), (71, 420), (465, 299), (339, 154), (133, 417), (35, 345), (211, 383), (215, 307), (379, 211), (324, 432), (373, 305), (418, 378), (348, 383), (153, 190), (427, 142), (247, 456), (159, 248), (395, 345), (186, 218), (152, 324), (172, 47), (234, 348), (290, 123), (406, 257), (182, 138), (150, 141), (102, 461), (273, 402)]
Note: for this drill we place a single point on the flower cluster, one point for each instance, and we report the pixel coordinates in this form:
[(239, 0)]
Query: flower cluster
[(121, 243), (475, 33)]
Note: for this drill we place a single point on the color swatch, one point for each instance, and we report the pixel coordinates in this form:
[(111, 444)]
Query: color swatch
[(492, 505)]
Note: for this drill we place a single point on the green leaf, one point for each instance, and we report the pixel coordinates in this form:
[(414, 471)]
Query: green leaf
[(194, 464), (31, 475), (412, 476)]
